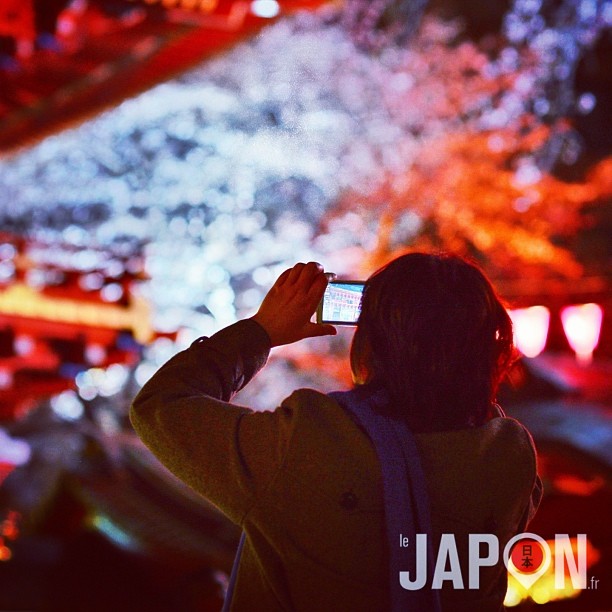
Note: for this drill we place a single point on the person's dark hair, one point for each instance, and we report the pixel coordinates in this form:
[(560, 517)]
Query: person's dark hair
[(435, 335)]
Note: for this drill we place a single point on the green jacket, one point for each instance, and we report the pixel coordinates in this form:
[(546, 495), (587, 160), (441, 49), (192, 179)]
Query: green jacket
[(304, 482)]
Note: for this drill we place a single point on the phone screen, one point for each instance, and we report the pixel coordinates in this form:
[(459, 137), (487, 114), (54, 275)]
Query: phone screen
[(341, 303)]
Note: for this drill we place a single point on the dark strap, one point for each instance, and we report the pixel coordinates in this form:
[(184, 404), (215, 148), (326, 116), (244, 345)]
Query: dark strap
[(406, 500), (232, 579)]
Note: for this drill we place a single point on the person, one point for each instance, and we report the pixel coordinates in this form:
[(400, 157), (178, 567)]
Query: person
[(304, 481)]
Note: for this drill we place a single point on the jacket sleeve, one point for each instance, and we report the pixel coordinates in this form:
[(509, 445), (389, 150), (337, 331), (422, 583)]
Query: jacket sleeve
[(227, 453)]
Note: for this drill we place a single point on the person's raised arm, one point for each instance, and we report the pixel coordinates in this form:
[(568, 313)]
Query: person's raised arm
[(225, 452)]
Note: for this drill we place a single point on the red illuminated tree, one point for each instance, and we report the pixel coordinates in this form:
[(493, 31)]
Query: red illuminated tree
[(482, 196)]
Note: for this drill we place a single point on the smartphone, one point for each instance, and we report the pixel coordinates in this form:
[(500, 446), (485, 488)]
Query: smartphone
[(341, 302)]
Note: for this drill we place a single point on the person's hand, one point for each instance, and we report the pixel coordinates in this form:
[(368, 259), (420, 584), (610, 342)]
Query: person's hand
[(286, 310)]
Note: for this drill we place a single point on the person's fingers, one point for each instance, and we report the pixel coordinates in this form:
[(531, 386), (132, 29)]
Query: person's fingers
[(304, 273), (316, 290), (327, 330), (305, 282), (312, 268), (295, 272), (315, 268), (318, 329), (309, 276), (283, 277), (317, 284)]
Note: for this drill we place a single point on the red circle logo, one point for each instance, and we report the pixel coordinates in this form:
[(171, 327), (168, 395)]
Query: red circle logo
[(527, 556)]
